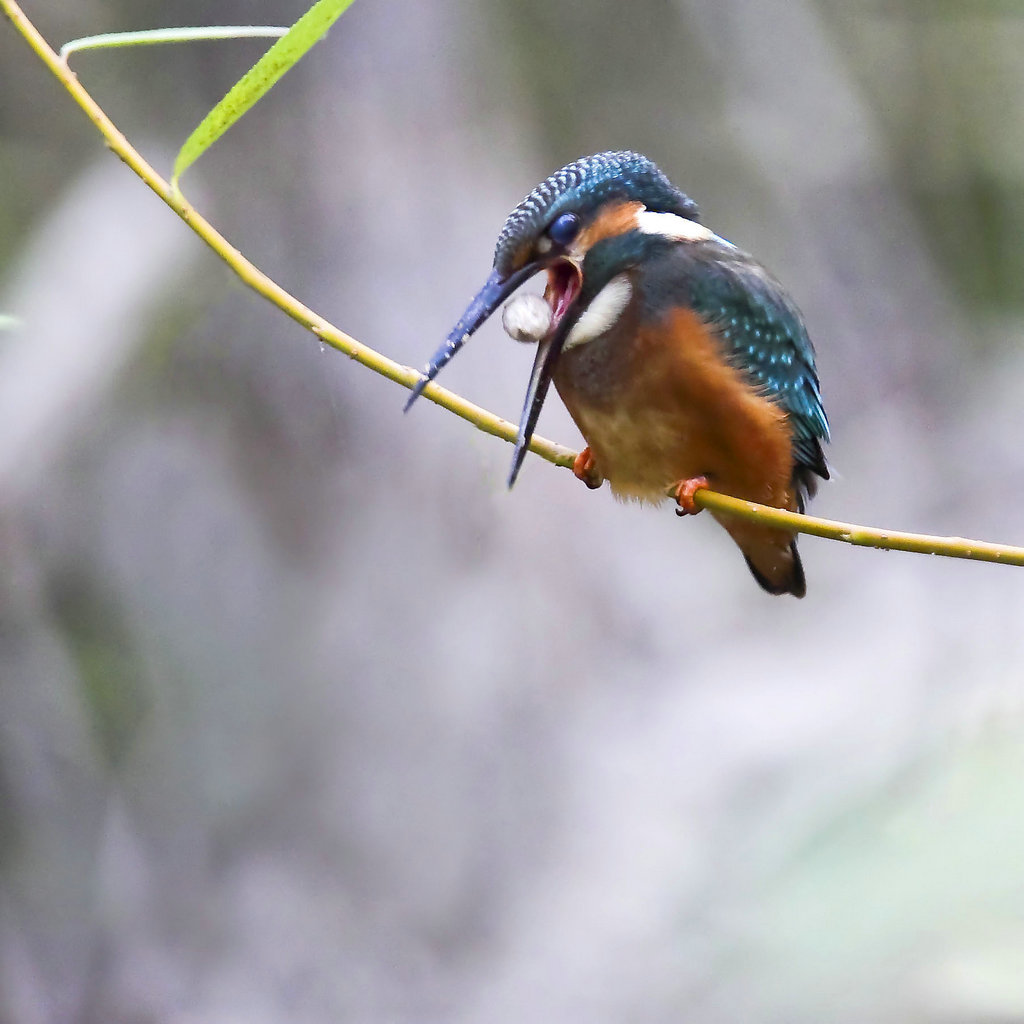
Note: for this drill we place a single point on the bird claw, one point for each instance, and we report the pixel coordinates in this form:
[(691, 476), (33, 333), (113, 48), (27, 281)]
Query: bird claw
[(685, 491), (585, 468)]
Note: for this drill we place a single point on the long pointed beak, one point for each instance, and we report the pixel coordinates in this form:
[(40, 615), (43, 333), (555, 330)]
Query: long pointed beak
[(540, 379), (493, 293)]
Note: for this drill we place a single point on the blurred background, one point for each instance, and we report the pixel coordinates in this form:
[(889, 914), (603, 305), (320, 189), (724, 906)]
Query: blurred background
[(304, 717)]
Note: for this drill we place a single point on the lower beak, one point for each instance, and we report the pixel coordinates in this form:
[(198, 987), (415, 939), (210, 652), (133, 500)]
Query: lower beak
[(487, 300), (540, 379), (564, 283)]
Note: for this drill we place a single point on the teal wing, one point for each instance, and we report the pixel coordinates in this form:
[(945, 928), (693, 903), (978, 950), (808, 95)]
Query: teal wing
[(765, 336)]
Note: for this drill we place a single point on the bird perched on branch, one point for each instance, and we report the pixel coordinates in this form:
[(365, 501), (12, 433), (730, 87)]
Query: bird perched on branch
[(682, 360)]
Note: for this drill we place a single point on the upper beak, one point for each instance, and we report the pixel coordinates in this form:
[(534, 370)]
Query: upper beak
[(492, 295)]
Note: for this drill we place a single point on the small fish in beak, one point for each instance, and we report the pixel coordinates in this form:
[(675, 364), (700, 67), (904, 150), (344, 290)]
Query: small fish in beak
[(526, 318)]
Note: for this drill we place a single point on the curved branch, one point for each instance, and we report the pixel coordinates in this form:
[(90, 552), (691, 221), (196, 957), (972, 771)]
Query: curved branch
[(862, 536), (559, 455), (252, 275)]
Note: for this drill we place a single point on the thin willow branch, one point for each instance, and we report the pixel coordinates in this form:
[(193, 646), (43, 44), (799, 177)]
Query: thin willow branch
[(862, 536), (160, 36), (849, 533), (255, 278)]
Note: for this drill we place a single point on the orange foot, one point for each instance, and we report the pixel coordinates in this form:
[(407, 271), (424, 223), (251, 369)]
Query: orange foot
[(585, 469), (685, 491)]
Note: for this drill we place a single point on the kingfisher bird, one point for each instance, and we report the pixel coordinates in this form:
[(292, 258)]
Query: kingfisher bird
[(683, 362)]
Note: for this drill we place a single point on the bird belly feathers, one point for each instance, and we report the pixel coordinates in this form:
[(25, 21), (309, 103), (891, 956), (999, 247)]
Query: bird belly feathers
[(677, 410)]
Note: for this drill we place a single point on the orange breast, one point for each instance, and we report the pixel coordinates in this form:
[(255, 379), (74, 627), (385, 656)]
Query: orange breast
[(674, 409)]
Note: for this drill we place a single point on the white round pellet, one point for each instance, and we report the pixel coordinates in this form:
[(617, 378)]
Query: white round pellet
[(526, 318)]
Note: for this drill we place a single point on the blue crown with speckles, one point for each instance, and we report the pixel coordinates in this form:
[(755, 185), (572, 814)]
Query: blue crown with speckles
[(586, 184)]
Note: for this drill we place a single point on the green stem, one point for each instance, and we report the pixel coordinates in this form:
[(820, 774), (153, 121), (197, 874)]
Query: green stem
[(158, 36), (849, 533), (250, 274), (862, 536)]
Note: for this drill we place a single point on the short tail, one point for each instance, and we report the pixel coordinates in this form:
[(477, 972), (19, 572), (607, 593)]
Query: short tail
[(771, 556), (785, 576)]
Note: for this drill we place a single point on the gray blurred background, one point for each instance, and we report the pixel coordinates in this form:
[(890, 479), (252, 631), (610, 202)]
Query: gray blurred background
[(304, 718)]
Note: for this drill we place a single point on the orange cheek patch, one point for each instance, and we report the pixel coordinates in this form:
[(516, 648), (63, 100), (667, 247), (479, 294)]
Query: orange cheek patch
[(616, 220)]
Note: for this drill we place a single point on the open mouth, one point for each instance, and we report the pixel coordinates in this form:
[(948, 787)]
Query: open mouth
[(562, 290)]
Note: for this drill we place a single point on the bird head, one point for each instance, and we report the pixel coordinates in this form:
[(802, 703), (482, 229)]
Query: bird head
[(553, 229)]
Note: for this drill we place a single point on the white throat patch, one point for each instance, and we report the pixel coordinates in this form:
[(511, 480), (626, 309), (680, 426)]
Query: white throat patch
[(602, 313)]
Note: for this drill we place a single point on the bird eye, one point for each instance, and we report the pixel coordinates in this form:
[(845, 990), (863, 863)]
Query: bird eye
[(563, 229)]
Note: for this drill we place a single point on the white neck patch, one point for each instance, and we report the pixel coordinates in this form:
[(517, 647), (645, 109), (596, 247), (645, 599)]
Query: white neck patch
[(675, 228), (602, 313)]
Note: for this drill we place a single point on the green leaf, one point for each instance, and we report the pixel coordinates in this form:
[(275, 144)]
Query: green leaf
[(259, 79)]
